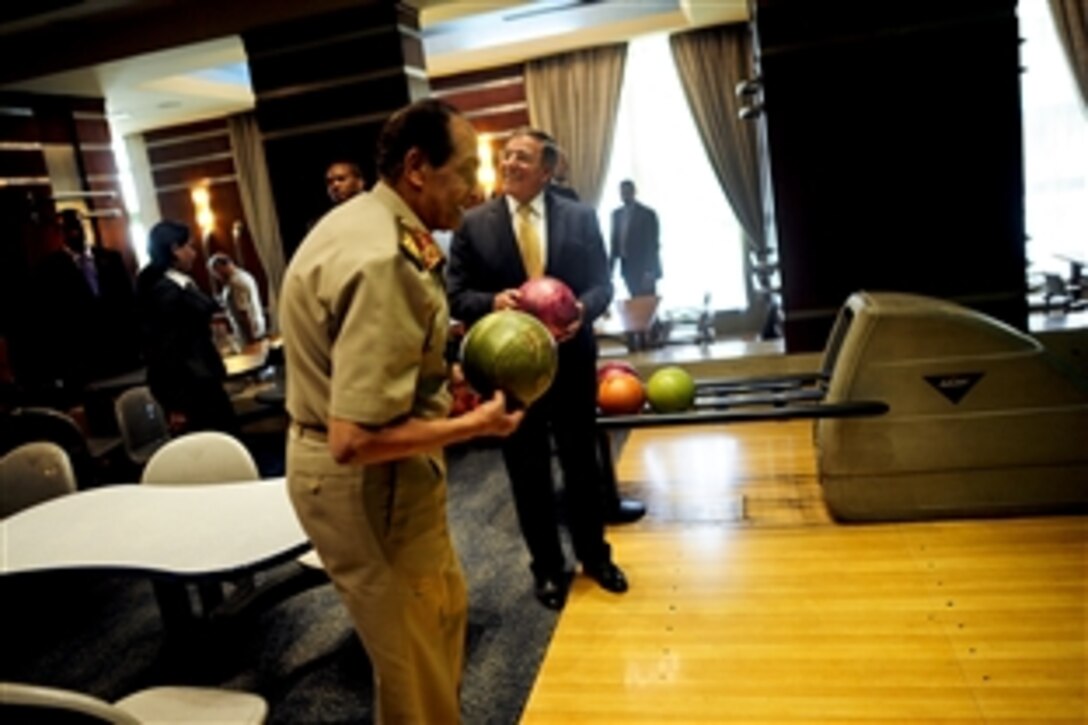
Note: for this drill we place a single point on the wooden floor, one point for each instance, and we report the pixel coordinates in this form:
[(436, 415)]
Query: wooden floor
[(748, 604)]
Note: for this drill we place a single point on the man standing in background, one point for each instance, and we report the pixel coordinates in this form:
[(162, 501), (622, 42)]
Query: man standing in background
[(240, 297), (635, 243), (86, 312), (343, 180)]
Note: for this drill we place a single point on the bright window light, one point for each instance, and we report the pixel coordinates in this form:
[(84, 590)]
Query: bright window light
[(657, 146), (136, 229), (1055, 146)]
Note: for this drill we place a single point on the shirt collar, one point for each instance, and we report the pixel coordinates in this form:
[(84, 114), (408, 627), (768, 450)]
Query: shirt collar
[(79, 256), (388, 196), (536, 203), (179, 278)]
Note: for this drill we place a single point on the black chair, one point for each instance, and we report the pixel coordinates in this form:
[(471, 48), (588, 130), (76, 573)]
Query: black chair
[(30, 424)]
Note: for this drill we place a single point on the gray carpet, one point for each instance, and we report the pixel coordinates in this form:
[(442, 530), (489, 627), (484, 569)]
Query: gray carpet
[(103, 635)]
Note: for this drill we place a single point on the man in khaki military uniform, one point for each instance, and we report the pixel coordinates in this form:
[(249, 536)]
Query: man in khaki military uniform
[(364, 316)]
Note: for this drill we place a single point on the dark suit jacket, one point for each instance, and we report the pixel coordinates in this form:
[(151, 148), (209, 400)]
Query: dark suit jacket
[(641, 253), (81, 336), (183, 366), (485, 260)]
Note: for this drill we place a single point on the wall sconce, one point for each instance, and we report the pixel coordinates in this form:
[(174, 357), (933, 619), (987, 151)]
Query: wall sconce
[(202, 202)]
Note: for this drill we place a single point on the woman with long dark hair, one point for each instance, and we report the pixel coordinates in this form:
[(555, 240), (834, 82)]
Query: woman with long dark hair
[(184, 369)]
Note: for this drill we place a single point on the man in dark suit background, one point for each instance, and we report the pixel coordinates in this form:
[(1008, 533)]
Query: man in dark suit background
[(86, 313), (635, 243), (526, 233), (617, 509)]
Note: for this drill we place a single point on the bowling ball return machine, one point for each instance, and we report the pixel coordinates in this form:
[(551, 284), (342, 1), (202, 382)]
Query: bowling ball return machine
[(923, 409)]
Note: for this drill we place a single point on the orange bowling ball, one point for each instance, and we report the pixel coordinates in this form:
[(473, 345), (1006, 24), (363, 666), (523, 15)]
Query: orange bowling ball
[(620, 394)]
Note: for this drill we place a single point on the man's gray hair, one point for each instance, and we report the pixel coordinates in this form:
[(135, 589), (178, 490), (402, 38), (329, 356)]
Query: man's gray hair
[(219, 258)]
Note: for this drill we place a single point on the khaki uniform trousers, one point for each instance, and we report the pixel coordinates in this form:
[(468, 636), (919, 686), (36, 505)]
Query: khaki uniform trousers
[(382, 535)]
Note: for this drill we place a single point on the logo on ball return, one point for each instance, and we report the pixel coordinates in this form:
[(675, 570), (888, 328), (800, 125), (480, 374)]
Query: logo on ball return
[(953, 386)]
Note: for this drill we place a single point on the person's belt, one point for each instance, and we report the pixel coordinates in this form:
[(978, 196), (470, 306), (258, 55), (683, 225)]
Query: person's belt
[(313, 432)]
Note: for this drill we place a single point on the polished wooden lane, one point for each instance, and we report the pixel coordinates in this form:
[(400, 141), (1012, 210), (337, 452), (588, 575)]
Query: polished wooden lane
[(748, 604)]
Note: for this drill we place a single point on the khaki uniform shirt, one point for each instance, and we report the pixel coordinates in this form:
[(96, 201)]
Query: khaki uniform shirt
[(364, 317)]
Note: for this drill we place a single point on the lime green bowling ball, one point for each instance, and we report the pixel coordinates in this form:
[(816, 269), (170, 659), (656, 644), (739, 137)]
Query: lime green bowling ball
[(512, 352), (671, 390)]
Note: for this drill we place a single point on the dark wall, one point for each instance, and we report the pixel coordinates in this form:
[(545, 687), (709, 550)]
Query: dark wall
[(894, 153), (324, 86)]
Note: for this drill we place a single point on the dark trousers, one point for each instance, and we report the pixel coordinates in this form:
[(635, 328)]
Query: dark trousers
[(208, 407), (568, 413), (640, 285)]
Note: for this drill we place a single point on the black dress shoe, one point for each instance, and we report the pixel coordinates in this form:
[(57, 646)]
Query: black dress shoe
[(608, 575), (625, 511), (551, 591)]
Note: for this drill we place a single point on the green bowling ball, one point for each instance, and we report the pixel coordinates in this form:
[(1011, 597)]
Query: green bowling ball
[(671, 390), (510, 351)]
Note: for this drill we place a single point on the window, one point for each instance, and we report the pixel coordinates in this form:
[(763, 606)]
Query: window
[(136, 228), (657, 146), (1055, 146)]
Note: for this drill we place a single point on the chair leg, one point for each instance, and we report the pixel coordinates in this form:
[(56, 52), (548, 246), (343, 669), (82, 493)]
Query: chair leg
[(174, 607), (211, 597)]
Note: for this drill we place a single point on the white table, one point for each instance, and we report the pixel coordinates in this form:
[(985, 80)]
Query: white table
[(183, 531), (182, 534), (245, 363)]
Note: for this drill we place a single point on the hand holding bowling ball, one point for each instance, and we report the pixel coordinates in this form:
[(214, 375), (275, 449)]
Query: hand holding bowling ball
[(512, 352), (552, 302), (464, 397)]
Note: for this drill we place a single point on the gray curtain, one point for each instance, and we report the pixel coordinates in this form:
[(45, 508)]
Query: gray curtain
[(255, 189), (711, 62), (575, 98), (1071, 19)]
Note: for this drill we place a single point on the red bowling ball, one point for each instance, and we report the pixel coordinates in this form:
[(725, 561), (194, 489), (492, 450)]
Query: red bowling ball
[(549, 300)]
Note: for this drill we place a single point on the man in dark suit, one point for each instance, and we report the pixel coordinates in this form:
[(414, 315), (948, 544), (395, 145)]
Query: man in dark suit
[(635, 243), (527, 233), (617, 510), (86, 311)]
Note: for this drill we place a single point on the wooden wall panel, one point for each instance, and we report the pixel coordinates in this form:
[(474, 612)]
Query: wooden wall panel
[(29, 125), (198, 171), (98, 161), (211, 143), (183, 158), (493, 100), (17, 126), (22, 162), (92, 129)]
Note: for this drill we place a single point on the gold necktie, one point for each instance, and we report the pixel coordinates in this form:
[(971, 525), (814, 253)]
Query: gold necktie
[(529, 243)]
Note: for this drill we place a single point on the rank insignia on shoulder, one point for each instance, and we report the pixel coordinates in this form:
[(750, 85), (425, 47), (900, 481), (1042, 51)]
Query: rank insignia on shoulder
[(419, 246)]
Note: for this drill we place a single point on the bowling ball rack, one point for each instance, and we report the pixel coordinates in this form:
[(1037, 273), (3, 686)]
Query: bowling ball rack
[(744, 400)]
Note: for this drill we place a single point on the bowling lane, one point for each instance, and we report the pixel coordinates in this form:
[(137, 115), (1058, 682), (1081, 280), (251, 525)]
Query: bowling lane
[(748, 604)]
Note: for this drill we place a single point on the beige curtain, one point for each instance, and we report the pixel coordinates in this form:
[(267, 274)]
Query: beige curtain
[(1071, 18), (575, 97), (255, 188), (711, 62)]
